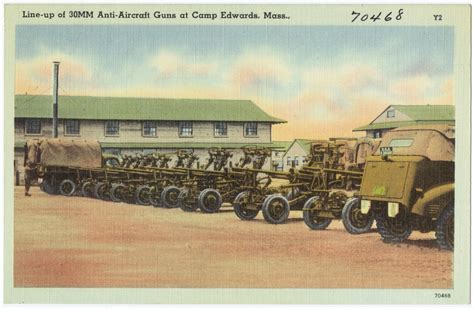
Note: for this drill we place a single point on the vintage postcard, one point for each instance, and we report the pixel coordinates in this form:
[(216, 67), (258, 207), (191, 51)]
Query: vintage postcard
[(237, 153)]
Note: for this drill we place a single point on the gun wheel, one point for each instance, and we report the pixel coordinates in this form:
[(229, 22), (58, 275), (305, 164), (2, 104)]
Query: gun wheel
[(210, 200), (241, 203), (186, 202), (142, 194), (101, 191), (354, 220), (445, 229), (275, 209), (67, 187), (311, 215), (169, 197)]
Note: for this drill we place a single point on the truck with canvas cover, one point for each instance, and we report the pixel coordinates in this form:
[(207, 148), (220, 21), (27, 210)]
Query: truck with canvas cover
[(58, 161), (409, 183)]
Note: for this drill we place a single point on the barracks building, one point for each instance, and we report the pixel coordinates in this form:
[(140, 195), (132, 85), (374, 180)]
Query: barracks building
[(144, 125)]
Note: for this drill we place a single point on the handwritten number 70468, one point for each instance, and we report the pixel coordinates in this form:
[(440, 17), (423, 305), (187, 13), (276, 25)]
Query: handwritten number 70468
[(377, 17)]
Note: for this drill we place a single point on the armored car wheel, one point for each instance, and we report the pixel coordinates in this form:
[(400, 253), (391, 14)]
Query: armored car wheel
[(87, 189), (67, 187), (311, 217), (116, 192), (395, 229), (353, 219), (169, 197), (241, 209), (155, 197), (142, 194), (209, 200), (445, 229), (186, 202), (275, 209)]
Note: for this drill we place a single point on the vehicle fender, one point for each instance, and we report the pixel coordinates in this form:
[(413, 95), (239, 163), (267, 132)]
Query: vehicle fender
[(432, 195)]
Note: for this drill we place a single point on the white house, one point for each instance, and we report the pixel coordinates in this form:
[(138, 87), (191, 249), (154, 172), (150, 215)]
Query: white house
[(297, 154)]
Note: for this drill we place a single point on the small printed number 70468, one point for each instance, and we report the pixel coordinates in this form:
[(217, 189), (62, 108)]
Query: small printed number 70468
[(442, 295), (374, 17)]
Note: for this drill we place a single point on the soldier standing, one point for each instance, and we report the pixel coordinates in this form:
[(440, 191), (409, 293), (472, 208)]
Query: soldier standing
[(30, 165)]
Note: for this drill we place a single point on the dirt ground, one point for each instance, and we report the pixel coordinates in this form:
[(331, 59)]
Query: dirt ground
[(82, 242)]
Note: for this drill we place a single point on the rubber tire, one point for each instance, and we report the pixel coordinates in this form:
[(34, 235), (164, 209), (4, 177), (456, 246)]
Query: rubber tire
[(308, 220), (346, 217), (203, 206), (164, 194), (138, 191), (49, 188), (242, 213), (155, 200), (113, 192), (67, 182), (266, 209), (441, 237), (97, 193), (84, 189), (387, 234), (181, 197)]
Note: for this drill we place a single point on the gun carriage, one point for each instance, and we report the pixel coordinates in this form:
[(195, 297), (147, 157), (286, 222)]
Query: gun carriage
[(321, 189)]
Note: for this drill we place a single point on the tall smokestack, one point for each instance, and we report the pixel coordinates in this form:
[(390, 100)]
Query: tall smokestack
[(55, 97)]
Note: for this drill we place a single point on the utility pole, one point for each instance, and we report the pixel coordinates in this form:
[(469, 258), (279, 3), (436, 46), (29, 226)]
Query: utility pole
[(55, 97)]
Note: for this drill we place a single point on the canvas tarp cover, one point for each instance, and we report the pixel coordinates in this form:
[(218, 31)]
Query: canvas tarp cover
[(64, 152), (435, 143)]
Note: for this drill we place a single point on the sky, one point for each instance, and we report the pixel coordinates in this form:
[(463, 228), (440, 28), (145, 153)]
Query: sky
[(323, 80)]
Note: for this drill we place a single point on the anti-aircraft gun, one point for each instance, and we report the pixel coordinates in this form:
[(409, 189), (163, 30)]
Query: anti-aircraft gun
[(320, 188)]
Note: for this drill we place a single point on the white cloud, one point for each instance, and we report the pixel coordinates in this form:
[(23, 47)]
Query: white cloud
[(169, 64), (34, 74), (411, 87), (264, 66)]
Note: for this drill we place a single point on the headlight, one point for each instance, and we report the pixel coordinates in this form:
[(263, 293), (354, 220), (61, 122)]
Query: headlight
[(365, 206), (393, 209)]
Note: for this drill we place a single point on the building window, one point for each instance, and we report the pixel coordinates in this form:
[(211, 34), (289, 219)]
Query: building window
[(72, 127), (149, 128), (391, 113), (250, 129), (288, 161), (33, 126), (220, 129), (112, 128), (114, 151), (377, 134), (148, 151), (296, 161), (185, 129)]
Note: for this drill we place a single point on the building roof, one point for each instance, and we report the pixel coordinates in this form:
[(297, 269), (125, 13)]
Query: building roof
[(281, 145), (419, 114), (397, 124), (116, 108), (305, 144), (427, 112)]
